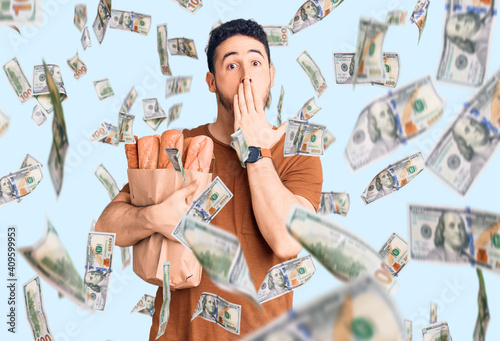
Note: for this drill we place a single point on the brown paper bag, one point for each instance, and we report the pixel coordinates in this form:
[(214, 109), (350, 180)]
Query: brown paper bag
[(152, 186)]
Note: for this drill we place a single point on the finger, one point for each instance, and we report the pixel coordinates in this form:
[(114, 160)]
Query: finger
[(281, 130), (241, 101), (258, 101), (249, 96), (237, 112), (191, 188)]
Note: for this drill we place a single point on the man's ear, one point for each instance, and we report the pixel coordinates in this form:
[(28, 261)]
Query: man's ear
[(271, 74), (210, 79)]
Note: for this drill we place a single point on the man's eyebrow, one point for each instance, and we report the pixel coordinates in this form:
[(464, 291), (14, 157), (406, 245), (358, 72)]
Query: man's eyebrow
[(236, 53)]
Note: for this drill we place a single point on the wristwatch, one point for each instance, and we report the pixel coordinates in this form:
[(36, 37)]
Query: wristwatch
[(257, 153)]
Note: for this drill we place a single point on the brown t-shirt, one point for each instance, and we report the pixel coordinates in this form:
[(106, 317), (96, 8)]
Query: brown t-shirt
[(302, 176)]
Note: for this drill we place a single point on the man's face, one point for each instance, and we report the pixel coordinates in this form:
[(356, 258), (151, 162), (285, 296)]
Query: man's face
[(6, 186), (235, 59), (278, 279), (463, 25), (126, 19), (386, 122), (386, 179), (454, 230), (93, 278), (210, 305), (149, 303), (471, 131)]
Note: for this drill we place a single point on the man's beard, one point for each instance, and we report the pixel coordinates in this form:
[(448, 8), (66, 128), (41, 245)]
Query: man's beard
[(228, 103)]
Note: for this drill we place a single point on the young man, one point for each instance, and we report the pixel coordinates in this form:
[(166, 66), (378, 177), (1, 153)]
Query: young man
[(240, 74)]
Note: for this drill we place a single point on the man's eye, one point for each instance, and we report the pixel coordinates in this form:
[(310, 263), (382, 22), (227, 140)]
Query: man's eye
[(231, 66), (255, 63)]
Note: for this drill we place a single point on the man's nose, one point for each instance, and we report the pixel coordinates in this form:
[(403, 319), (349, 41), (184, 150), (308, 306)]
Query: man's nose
[(245, 74)]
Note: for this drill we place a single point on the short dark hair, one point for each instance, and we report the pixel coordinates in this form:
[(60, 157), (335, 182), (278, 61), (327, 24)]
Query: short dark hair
[(249, 28)]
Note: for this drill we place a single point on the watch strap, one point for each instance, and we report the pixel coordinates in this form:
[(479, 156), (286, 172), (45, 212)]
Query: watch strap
[(264, 152)]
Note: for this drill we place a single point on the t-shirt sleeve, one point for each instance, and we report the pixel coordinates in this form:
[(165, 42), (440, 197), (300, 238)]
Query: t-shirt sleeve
[(304, 177)]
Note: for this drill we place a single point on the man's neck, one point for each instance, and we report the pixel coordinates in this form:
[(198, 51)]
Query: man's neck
[(223, 127)]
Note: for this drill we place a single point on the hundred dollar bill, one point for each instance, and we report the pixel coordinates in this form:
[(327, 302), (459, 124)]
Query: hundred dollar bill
[(334, 203), (312, 71), (436, 332), (205, 207), (219, 253), (35, 311), (107, 181), (311, 12), (129, 101), (98, 268), (304, 138), (38, 116), (393, 178), (30, 161), (155, 122), (40, 84), (483, 314), (20, 183), (419, 16), (146, 305), (130, 21), (102, 19), (308, 110), (125, 124), (409, 329), (165, 306), (343, 253), (280, 106), (328, 139), (396, 17), (344, 70), (466, 46), (125, 255), (454, 236), (467, 145), (17, 79), (28, 12), (80, 18), (111, 135), (182, 47), (391, 120), (174, 155), (191, 6), (433, 315), (215, 309), (285, 277), (369, 65), (174, 112), (78, 66), (269, 100), (240, 145), (103, 89), (101, 132), (394, 253), (178, 85), (152, 109), (49, 258), (85, 39), (161, 40), (357, 311), (277, 35), (4, 122)]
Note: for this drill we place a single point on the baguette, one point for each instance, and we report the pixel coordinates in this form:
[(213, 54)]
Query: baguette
[(199, 154), (169, 139), (148, 148), (132, 154)]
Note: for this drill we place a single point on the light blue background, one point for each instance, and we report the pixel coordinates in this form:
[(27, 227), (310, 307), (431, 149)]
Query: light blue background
[(129, 59)]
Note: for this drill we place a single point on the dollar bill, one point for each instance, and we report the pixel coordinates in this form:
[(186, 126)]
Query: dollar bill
[(346, 255), (103, 89), (396, 17), (433, 313), (391, 120), (30, 161), (436, 332), (369, 65), (344, 70), (357, 311), (40, 83), (107, 181), (454, 236), (178, 85), (483, 314), (304, 138), (128, 101), (145, 306), (219, 253), (102, 19), (277, 35), (80, 18), (155, 123), (174, 155), (125, 255), (17, 79), (285, 277), (205, 207), (192, 6), (311, 12), (419, 16), (78, 66), (394, 253), (280, 106), (165, 307), (35, 311), (20, 183), (49, 258), (152, 109), (469, 142), (334, 203), (101, 132), (182, 47), (4, 122), (130, 21), (240, 145), (215, 309), (312, 71), (161, 40), (85, 39), (38, 116), (392, 178), (409, 329), (21, 13), (328, 139), (269, 100), (465, 52), (98, 268), (308, 110), (111, 135), (173, 113)]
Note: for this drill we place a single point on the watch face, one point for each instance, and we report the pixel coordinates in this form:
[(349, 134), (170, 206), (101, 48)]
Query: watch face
[(254, 154)]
